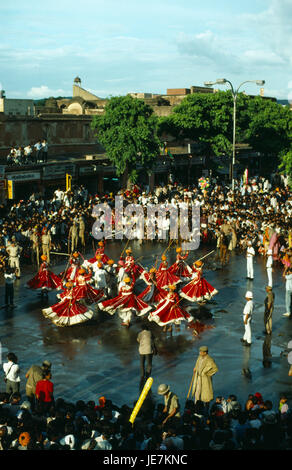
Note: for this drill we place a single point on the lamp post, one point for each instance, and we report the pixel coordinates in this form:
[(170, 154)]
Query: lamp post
[(223, 81)]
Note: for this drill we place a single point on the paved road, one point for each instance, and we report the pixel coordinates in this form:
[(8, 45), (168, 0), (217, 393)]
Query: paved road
[(101, 358)]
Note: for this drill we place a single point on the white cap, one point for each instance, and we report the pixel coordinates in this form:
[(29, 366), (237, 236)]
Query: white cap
[(249, 295)]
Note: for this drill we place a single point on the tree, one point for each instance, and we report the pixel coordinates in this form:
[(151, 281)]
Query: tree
[(128, 132), (208, 120)]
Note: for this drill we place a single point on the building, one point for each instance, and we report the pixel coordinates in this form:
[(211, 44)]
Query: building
[(15, 107)]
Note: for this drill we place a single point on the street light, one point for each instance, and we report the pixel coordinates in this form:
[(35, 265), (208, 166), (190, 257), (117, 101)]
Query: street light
[(223, 81)]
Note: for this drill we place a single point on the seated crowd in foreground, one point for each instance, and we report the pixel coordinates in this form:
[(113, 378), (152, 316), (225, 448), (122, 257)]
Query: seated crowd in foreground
[(227, 425)]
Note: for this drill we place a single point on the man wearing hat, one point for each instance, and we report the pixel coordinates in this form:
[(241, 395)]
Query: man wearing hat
[(269, 307), (33, 375), (170, 412), (250, 253), (204, 370), (247, 314), (14, 251)]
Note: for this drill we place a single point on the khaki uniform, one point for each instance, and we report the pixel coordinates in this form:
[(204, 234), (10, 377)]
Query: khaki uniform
[(14, 253), (35, 253), (82, 232), (46, 246), (269, 307), (73, 236), (205, 368)]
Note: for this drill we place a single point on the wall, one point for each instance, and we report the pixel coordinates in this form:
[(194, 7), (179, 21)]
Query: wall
[(17, 107), (65, 134)]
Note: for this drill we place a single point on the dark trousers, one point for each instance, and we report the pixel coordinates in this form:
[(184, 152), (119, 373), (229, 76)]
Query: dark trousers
[(148, 359), (45, 156), (9, 294)]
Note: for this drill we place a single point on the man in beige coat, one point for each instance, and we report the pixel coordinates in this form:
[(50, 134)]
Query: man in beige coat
[(204, 369)]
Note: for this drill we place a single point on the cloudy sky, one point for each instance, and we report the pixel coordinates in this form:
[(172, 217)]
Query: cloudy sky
[(117, 47)]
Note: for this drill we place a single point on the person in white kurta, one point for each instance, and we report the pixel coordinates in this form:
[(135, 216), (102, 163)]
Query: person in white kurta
[(249, 260), (100, 277), (247, 315), (269, 267)]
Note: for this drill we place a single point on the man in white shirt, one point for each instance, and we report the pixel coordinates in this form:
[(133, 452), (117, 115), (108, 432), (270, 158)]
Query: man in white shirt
[(269, 267), (249, 260), (11, 371), (247, 315)]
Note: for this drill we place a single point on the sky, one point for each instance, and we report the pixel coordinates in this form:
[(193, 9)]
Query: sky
[(117, 47)]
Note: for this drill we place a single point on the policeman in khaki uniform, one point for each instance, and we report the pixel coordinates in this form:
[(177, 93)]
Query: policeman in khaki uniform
[(73, 237), (14, 251), (46, 245), (269, 307), (35, 250), (82, 231)]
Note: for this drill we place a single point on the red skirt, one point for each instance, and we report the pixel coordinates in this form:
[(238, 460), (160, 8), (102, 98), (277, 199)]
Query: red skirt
[(86, 292), (152, 295), (134, 271), (45, 280), (181, 270), (104, 259), (125, 302), (164, 278), (198, 290), (167, 312), (68, 312)]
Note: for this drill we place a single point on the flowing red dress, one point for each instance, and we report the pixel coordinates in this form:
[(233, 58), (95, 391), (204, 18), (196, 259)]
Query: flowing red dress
[(181, 269), (169, 312), (99, 252), (164, 277), (132, 269), (45, 279), (83, 290), (126, 301), (152, 295), (198, 289), (68, 312)]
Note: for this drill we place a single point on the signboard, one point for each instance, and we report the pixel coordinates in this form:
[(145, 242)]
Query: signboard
[(24, 176), (58, 171), (10, 189)]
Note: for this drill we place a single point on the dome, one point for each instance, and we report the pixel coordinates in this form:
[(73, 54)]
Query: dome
[(77, 80)]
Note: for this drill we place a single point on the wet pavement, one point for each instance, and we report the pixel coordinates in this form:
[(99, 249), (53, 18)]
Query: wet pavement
[(101, 357)]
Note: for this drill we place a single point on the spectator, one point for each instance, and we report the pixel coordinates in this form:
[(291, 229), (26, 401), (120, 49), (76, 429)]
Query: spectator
[(11, 371)]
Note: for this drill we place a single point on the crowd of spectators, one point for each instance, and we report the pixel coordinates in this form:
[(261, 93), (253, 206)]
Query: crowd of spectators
[(99, 424), (31, 154)]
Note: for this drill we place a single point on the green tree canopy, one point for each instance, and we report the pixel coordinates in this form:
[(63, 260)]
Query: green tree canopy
[(208, 119), (128, 132)]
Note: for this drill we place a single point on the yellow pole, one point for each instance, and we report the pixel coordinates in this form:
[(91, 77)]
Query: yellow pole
[(140, 402)]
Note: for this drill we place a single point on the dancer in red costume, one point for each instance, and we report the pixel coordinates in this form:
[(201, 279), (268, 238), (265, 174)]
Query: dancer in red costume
[(165, 278), (99, 252), (152, 295), (131, 268), (71, 273), (45, 280), (126, 303), (168, 312), (180, 268), (83, 290), (198, 289), (69, 311)]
